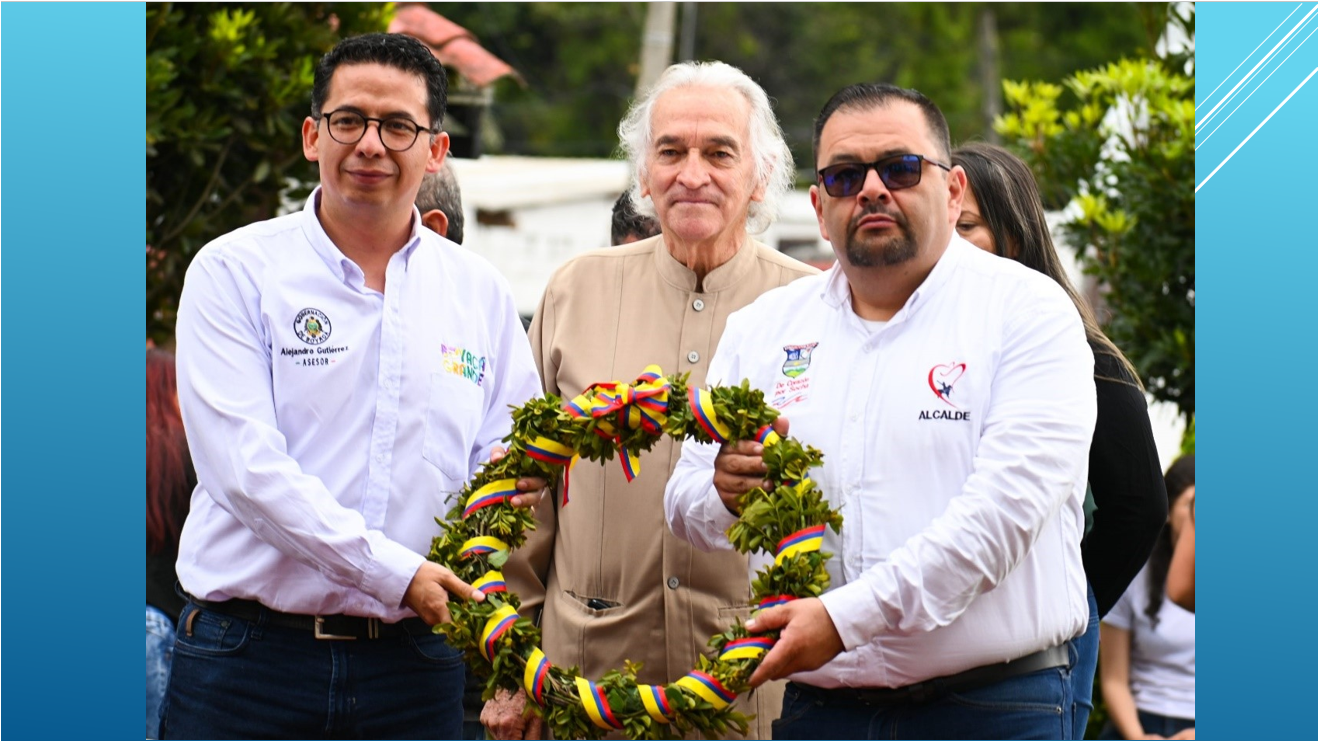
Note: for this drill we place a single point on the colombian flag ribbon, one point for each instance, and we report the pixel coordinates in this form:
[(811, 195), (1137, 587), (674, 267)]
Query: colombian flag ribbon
[(702, 405), (656, 703), (491, 494), (597, 706), (772, 600), (500, 622), (767, 436), (746, 649), (550, 451), (617, 406), (481, 545), (491, 582), (536, 675), (705, 686), (804, 541)]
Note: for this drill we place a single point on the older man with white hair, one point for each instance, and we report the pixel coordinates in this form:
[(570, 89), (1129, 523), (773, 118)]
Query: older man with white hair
[(606, 577)]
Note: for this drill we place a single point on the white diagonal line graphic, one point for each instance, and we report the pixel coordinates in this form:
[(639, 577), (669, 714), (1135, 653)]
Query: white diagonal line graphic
[(1257, 128), (1231, 93), (1248, 56), (1257, 87)]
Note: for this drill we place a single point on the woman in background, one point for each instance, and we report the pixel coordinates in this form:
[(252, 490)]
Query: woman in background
[(1148, 643), (170, 480), (1125, 504)]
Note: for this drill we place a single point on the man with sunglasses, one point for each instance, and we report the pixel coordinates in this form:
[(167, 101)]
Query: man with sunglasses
[(342, 372), (952, 395)]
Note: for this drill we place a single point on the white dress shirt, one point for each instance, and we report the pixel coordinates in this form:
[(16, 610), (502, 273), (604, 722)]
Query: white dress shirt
[(956, 439), (330, 424)]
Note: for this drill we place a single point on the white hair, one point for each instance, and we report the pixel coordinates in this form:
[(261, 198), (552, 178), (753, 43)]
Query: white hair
[(769, 152)]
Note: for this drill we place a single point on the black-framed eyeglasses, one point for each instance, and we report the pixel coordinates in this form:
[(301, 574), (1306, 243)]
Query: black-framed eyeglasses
[(397, 133), (897, 172)]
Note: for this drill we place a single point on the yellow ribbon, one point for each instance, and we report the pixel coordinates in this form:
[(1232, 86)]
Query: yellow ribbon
[(495, 627), (596, 705), (656, 703), (482, 545), (536, 675), (705, 686)]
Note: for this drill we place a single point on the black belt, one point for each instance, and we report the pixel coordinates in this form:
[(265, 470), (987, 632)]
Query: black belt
[(928, 690), (321, 627)]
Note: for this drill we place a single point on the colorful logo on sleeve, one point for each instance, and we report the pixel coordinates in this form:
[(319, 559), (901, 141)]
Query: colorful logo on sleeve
[(799, 359), (461, 362), (312, 326), (942, 378)]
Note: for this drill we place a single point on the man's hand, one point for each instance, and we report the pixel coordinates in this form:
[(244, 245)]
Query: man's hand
[(428, 593), (807, 639), (506, 717), (534, 486), (739, 468)]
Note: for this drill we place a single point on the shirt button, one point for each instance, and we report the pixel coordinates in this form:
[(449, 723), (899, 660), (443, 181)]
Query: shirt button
[(693, 356), (698, 305), (380, 458), (673, 583)]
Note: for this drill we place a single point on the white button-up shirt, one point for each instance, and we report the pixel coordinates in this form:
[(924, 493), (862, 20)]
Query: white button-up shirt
[(956, 438), (330, 424)]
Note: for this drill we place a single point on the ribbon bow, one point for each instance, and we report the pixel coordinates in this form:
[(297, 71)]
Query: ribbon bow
[(618, 406)]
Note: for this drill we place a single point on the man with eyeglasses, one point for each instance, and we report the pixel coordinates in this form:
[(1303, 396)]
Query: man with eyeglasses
[(342, 372), (951, 392)]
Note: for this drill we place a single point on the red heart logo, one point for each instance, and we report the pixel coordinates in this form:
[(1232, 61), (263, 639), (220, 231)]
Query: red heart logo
[(942, 378)]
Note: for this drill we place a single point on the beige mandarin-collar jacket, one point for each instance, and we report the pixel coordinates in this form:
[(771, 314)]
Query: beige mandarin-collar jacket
[(608, 579)]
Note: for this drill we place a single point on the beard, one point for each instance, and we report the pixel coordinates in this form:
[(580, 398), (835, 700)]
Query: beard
[(880, 250)]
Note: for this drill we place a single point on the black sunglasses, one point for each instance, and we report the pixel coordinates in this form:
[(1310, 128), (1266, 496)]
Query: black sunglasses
[(898, 172)]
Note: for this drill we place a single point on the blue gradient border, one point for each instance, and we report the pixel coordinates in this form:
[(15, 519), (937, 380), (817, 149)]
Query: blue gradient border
[(1256, 264), (71, 296)]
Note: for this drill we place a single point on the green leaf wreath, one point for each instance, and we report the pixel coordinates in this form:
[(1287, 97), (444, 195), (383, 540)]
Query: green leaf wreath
[(625, 419)]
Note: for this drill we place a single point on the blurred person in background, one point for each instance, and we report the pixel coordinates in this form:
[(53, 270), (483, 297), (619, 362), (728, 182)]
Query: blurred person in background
[(627, 226), (440, 202), (1181, 573), (170, 480), (1125, 503), (1147, 643)]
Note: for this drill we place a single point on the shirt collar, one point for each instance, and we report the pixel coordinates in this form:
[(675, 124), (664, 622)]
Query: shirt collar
[(837, 292), (341, 265), (725, 276)]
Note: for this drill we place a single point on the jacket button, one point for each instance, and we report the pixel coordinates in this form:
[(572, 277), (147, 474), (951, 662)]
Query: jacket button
[(698, 305), (693, 357), (673, 583)]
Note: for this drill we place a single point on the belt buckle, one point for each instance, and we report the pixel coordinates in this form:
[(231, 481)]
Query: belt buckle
[(319, 632)]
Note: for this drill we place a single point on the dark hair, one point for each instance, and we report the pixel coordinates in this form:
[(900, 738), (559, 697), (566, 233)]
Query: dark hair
[(626, 222), (869, 95), (170, 476), (392, 50), (1009, 200), (440, 191), (1179, 478)]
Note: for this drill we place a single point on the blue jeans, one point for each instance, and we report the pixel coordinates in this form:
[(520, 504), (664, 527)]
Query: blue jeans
[(236, 679), (1033, 706), (160, 649), (1085, 661)]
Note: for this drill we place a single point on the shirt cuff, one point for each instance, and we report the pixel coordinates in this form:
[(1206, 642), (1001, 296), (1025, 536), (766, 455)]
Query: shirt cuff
[(718, 518), (852, 609), (392, 568)]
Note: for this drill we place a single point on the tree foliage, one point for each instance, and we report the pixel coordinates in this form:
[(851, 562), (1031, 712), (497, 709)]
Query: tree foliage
[(580, 59), (1116, 145), (228, 87)]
